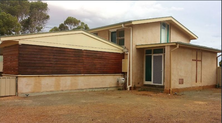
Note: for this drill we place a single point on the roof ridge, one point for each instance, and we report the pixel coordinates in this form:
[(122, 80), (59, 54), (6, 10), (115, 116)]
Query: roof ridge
[(129, 21)]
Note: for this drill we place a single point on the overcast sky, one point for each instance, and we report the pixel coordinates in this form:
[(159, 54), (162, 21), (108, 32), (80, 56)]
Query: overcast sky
[(203, 18)]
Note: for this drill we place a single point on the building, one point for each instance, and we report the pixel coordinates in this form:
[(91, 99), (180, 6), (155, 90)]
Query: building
[(154, 51), (61, 61), (161, 54)]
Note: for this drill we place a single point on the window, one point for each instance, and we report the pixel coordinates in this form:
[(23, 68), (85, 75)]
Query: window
[(120, 37), (154, 51), (157, 51), (113, 37), (148, 51), (148, 68), (117, 37), (164, 33)]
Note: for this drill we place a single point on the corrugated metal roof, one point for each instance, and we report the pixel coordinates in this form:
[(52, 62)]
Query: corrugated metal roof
[(180, 43)]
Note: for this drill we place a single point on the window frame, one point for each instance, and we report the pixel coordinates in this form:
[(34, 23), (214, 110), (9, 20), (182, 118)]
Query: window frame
[(111, 37), (117, 36), (168, 32)]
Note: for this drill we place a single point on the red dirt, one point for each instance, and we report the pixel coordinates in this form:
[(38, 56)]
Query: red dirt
[(114, 106)]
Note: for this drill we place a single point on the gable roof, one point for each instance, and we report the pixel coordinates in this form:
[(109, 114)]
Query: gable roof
[(169, 19), (67, 39)]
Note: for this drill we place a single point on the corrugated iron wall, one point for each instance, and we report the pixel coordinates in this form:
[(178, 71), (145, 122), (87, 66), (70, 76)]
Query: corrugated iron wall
[(7, 86)]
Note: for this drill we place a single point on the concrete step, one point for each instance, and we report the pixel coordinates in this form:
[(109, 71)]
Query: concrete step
[(153, 88)]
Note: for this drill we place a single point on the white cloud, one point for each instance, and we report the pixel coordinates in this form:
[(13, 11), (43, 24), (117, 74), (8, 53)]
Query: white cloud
[(113, 10), (176, 8)]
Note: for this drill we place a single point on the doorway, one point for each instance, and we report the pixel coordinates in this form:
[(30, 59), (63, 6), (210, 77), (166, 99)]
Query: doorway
[(153, 67)]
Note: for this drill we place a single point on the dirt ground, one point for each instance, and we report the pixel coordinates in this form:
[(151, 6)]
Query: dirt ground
[(114, 107)]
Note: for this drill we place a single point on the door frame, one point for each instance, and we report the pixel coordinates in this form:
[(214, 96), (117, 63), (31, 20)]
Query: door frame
[(144, 62)]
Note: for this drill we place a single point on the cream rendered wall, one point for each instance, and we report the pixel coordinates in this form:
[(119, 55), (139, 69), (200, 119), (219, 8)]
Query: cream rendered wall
[(127, 38), (177, 35), (182, 67), (36, 84), (209, 68), (146, 33), (104, 34), (142, 34)]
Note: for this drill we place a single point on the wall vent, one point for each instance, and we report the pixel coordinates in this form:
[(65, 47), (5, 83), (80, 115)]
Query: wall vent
[(180, 81)]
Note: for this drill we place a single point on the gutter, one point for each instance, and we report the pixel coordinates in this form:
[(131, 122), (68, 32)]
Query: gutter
[(131, 58), (128, 71)]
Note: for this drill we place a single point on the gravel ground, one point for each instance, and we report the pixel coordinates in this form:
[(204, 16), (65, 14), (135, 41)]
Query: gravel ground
[(114, 107)]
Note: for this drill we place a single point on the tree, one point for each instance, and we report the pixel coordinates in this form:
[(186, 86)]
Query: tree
[(32, 16), (70, 23), (8, 24), (17, 8), (63, 27), (37, 18), (82, 26), (54, 29)]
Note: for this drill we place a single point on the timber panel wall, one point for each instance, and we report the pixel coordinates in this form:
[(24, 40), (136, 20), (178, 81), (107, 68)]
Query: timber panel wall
[(40, 60), (10, 59)]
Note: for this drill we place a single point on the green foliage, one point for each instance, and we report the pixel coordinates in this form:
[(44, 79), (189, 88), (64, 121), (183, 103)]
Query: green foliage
[(8, 24), (54, 29), (83, 26), (17, 8), (70, 23), (63, 27), (37, 18), (32, 16)]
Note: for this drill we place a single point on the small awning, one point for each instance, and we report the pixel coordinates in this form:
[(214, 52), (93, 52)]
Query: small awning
[(188, 45)]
